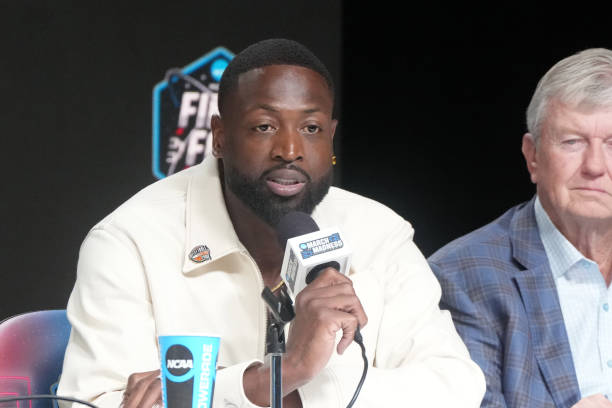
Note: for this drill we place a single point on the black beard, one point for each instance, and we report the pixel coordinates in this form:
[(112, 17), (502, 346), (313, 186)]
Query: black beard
[(267, 205)]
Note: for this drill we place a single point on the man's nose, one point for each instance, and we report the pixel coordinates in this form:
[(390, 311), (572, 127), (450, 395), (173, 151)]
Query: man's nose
[(595, 160), (288, 145)]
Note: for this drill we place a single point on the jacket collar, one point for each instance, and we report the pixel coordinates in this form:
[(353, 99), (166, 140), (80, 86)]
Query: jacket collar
[(527, 247), (208, 225), (540, 299)]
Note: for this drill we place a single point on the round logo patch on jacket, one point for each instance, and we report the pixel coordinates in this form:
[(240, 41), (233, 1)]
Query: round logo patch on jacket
[(200, 254)]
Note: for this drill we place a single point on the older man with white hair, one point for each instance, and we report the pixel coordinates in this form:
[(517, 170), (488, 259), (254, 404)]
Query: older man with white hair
[(530, 292)]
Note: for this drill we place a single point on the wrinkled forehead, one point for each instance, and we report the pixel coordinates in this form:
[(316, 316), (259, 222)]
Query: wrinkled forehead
[(578, 117)]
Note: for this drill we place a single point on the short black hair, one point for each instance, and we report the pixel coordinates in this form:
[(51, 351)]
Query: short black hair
[(275, 51)]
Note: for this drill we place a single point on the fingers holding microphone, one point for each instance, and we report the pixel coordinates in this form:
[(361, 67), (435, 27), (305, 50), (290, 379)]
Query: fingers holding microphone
[(332, 290), (327, 305), (314, 268)]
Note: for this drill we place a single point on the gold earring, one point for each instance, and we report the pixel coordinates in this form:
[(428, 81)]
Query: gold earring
[(333, 159)]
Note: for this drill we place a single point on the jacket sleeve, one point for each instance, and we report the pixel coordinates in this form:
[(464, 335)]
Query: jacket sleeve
[(113, 326), (419, 359), (479, 333)]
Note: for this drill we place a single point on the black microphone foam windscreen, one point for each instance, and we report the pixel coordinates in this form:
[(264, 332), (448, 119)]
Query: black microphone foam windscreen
[(294, 224)]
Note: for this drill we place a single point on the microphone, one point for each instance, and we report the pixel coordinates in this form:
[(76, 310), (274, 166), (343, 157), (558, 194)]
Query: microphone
[(309, 250)]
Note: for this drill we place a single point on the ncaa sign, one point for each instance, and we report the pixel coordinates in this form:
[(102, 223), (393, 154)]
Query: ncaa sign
[(183, 104)]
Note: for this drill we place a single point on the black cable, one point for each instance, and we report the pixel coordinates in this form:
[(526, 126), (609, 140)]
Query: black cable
[(359, 340), (52, 397)]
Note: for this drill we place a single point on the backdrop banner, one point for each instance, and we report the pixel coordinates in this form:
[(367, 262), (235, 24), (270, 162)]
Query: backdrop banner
[(183, 104)]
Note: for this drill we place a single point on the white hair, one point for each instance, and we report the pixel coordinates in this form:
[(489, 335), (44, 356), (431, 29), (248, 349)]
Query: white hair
[(583, 80)]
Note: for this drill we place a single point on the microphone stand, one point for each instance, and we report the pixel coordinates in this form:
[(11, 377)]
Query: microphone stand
[(281, 313), (275, 348)]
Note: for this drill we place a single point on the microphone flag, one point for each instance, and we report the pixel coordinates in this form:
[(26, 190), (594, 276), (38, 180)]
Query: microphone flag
[(309, 250)]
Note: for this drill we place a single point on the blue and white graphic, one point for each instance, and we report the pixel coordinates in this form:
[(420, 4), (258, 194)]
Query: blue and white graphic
[(183, 104), (188, 370), (321, 245), (319, 249)]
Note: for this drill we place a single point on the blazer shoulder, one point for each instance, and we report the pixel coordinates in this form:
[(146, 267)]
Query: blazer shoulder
[(488, 247), (161, 201)]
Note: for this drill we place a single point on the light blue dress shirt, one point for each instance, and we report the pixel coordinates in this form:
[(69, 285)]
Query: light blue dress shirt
[(586, 304)]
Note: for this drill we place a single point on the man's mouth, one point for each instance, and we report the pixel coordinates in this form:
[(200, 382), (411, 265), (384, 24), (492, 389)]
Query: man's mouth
[(285, 182), (284, 188), (591, 189)]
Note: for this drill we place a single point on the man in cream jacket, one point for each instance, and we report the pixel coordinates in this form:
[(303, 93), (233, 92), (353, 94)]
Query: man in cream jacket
[(192, 253)]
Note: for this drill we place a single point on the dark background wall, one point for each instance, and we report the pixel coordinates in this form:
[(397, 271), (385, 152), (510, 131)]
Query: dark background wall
[(435, 103), (431, 109)]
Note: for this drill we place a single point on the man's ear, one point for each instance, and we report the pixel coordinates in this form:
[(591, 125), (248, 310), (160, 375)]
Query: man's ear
[(530, 154), (218, 136)]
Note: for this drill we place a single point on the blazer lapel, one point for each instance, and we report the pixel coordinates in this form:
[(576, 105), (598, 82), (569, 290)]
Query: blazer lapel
[(539, 295)]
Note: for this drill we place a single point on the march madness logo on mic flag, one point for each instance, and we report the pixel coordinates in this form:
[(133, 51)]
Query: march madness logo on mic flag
[(183, 104), (321, 245)]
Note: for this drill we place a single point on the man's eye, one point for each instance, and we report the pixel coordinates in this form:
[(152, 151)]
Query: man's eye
[(263, 128), (312, 129), (571, 142), (572, 145)]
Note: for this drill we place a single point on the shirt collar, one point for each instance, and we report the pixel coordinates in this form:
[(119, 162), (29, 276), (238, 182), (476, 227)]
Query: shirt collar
[(562, 255), (209, 229)]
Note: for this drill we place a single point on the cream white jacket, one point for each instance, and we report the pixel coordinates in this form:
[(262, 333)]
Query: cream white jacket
[(135, 280)]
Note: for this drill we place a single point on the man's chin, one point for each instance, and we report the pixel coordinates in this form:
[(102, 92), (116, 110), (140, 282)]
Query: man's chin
[(279, 206), (270, 206), (592, 211)]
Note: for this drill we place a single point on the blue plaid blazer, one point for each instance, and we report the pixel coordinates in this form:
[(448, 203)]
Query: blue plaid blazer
[(497, 284)]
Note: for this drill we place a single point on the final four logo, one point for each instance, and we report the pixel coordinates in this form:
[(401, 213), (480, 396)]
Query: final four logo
[(183, 104)]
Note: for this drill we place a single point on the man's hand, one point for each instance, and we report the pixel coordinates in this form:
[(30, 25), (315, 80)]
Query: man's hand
[(143, 390), (324, 307), (593, 401), (327, 305)]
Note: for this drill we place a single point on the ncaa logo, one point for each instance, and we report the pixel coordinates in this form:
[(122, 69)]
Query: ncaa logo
[(179, 360), (183, 104)]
